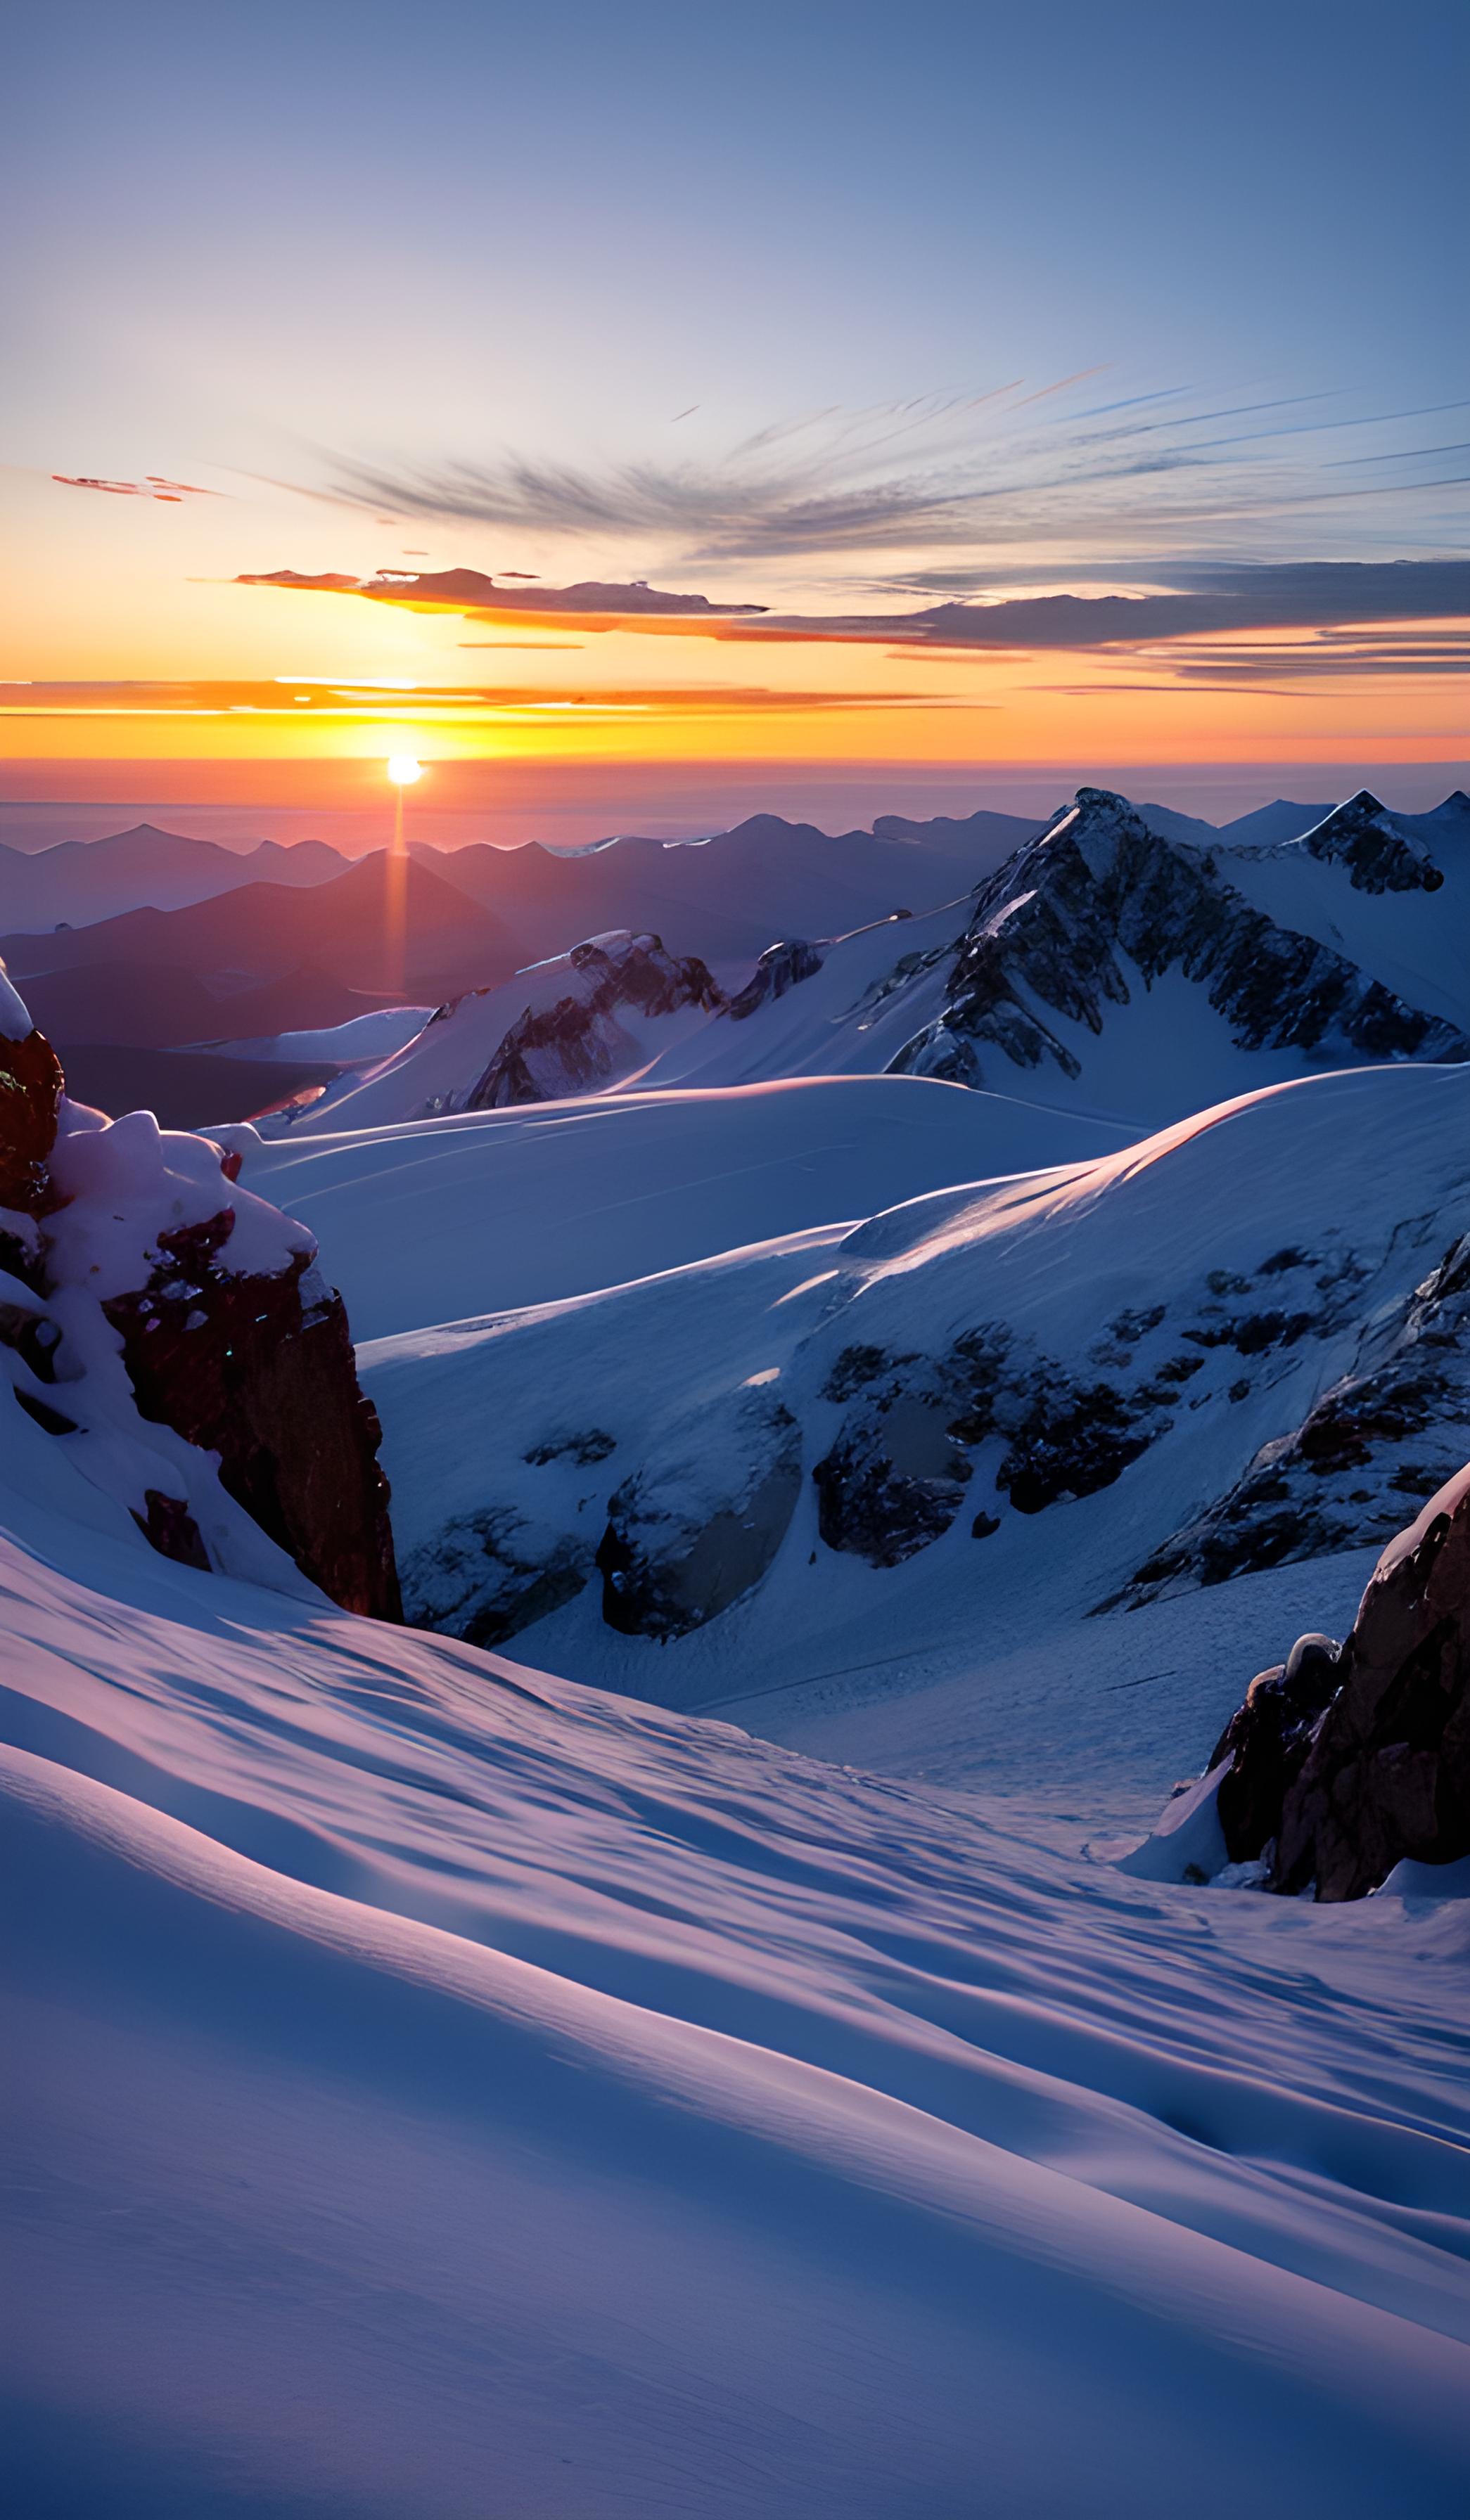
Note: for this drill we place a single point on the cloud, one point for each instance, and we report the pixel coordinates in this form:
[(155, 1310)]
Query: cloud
[(1208, 601), (939, 471), (450, 706), (471, 590), (154, 486)]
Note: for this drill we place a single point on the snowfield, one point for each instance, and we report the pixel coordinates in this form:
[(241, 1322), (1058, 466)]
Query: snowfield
[(488, 1210), (443, 2088)]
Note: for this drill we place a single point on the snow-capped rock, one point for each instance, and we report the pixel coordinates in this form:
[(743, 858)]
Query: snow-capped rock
[(1379, 853), (779, 969), (170, 1327)]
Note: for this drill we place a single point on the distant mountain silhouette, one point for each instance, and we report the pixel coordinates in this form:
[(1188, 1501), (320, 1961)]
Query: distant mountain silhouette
[(82, 881), (268, 958), (727, 898)]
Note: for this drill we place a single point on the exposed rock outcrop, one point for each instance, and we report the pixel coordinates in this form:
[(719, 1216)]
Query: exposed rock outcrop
[(259, 1370), (1389, 1430), (575, 1045), (1052, 929), (779, 969), (689, 1535), (135, 1239), (488, 1575), (1345, 1761)]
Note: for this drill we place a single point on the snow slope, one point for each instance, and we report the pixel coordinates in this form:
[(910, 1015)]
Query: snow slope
[(605, 1007), (488, 1210), (373, 1036), (1075, 1364), (1417, 943), (875, 988), (438, 2088)]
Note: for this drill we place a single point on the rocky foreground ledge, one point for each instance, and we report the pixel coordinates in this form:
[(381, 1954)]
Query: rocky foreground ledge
[(1347, 1760), (143, 1291)]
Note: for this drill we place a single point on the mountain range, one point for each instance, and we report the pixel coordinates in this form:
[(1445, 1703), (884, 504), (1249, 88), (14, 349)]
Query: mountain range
[(1106, 967)]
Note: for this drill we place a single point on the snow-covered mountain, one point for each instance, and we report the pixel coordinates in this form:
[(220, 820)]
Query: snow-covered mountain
[(1144, 976), (928, 1439), (578, 1022)]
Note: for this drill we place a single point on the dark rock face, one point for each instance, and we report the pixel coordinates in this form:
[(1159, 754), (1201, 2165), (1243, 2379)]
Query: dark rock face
[(30, 1097), (687, 1537), (1345, 1761), (1266, 1741), (780, 967), (1392, 1429), (260, 1370), (1049, 927), (895, 1477), (572, 1048), (1378, 854), (488, 1575), (170, 1528), (1073, 1439)]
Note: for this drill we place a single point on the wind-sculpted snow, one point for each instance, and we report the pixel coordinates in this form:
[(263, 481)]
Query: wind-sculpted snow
[(483, 1211), (1012, 1398), (436, 2082)]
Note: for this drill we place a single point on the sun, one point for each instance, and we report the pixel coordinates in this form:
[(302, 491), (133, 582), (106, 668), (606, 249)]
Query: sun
[(403, 770)]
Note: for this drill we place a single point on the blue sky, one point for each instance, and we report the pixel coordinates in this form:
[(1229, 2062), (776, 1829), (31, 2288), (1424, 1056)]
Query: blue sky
[(827, 308)]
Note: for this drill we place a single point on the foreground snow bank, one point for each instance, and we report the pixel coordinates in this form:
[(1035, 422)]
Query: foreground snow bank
[(445, 2089)]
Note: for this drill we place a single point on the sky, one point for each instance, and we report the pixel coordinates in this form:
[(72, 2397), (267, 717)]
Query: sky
[(928, 395)]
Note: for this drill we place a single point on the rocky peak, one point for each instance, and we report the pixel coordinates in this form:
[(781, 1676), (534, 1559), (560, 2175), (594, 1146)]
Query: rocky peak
[(573, 1046), (1379, 854), (1059, 927)]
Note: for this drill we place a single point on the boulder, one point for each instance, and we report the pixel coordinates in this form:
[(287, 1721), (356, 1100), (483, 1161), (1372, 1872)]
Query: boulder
[(1346, 1761), (1387, 1773), (1266, 1742)]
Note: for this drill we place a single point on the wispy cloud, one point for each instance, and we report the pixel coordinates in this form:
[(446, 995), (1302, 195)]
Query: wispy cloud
[(939, 471), (154, 485)]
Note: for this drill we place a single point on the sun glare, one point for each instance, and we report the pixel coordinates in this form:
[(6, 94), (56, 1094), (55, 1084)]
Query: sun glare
[(403, 770)]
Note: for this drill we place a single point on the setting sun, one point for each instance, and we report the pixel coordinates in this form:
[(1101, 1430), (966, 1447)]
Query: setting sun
[(403, 770)]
